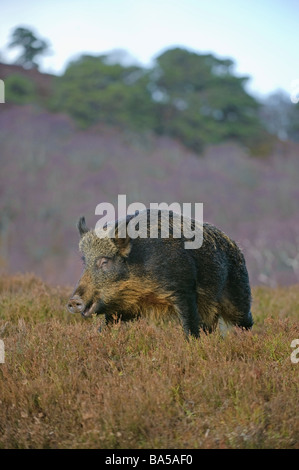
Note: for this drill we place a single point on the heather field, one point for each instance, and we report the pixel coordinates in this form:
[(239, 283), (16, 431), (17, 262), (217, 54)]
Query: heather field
[(141, 384)]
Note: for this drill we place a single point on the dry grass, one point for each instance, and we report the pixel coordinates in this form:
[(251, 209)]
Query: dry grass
[(142, 385)]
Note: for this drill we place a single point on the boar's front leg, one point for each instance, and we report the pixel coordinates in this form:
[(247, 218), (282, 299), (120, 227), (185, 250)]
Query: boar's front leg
[(189, 316), (109, 320)]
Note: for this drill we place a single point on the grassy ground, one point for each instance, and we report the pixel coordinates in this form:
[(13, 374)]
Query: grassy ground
[(142, 385)]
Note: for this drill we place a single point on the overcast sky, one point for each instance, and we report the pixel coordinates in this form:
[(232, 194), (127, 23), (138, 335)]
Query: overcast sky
[(261, 36)]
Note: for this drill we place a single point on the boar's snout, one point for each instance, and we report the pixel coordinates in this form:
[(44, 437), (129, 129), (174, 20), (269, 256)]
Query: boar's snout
[(76, 304)]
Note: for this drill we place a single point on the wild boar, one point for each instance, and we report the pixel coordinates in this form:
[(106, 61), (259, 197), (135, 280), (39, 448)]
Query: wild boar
[(127, 278)]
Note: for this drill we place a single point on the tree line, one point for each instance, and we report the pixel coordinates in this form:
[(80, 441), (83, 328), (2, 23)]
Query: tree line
[(192, 97)]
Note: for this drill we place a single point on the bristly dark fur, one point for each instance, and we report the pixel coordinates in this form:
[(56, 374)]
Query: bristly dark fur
[(160, 276)]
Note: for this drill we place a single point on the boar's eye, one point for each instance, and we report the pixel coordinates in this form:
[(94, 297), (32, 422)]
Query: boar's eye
[(103, 263)]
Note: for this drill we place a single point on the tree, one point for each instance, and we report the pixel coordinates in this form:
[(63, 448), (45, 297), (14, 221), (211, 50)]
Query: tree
[(201, 101), (31, 45), (93, 90)]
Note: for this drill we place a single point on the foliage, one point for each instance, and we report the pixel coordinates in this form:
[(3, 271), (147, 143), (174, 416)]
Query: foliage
[(93, 90), (19, 90), (31, 45), (142, 385), (189, 96), (201, 101)]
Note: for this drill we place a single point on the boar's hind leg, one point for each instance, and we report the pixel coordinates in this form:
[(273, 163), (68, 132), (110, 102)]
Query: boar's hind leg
[(188, 314), (237, 312)]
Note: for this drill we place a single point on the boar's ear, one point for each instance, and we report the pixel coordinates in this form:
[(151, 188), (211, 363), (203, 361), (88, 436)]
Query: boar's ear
[(122, 244), (82, 226)]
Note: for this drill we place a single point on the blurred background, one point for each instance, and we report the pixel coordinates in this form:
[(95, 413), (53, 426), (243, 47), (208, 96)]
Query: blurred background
[(164, 101)]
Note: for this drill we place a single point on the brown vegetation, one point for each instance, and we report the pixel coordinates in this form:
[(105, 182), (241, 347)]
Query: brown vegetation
[(141, 384)]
